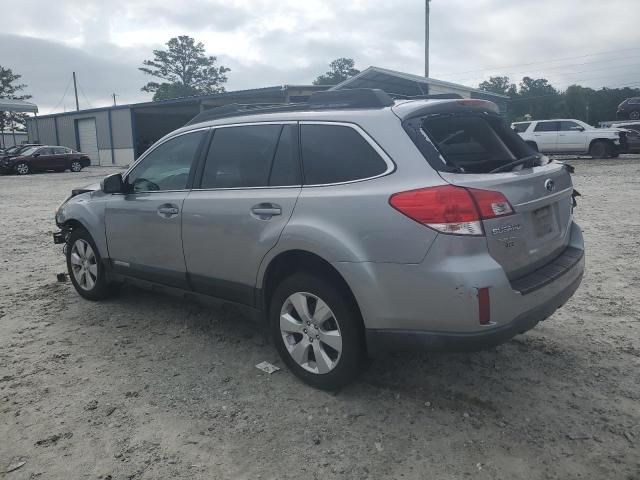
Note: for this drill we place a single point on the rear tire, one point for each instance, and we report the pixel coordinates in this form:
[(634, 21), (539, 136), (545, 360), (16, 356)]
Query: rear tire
[(317, 331), (75, 166), (600, 149), (635, 115), (22, 168), (86, 268)]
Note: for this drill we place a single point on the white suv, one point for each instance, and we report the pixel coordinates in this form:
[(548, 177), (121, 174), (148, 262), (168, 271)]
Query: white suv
[(567, 136)]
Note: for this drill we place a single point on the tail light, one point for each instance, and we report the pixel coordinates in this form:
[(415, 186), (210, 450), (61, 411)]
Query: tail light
[(450, 209)]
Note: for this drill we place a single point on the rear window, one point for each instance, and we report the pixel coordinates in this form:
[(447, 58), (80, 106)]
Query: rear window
[(337, 153), (472, 143), (521, 127)]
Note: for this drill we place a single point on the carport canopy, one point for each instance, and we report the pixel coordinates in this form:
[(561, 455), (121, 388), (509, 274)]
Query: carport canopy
[(11, 105)]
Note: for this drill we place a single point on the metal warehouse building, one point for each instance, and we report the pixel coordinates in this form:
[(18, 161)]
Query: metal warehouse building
[(117, 135)]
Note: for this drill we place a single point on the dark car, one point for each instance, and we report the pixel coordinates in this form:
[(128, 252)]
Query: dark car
[(630, 109), (15, 150), (43, 158), (633, 135)]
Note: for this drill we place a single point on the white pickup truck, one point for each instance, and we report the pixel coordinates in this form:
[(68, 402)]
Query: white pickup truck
[(568, 136)]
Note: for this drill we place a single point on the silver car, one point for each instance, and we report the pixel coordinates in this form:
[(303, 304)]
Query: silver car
[(353, 224)]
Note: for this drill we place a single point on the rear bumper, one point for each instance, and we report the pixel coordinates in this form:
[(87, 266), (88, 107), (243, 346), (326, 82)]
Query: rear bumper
[(385, 340), (434, 305)]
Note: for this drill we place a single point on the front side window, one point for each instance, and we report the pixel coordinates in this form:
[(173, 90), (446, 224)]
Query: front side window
[(167, 167), (337, 153), (566, 126), (546, 127), (252, 156)]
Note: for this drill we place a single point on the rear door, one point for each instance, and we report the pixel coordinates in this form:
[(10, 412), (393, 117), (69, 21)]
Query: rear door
[(248, 189), (545, 134), (571, 137), (60, 158), (538, 229)]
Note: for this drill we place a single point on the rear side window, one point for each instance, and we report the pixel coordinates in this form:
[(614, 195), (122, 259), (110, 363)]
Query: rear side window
[(252, 156), (521, 127), (547, 127), (337, 153), (634, 101), (567, 126)]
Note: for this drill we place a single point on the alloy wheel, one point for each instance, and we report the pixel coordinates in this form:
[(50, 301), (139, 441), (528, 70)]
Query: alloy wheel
[(76, 167), (22, 168), (84, 264), (310, 332)]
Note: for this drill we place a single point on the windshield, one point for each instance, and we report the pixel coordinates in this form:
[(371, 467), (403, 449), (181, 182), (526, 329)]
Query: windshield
[(473, 143), (28, 151)]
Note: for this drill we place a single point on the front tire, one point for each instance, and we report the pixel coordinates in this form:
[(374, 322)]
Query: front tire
[(86, 268), (22, 168), (600, 149), (76, 166), (317, 330)]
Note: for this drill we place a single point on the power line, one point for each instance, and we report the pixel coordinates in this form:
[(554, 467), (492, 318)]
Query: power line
[(539, 62), (63, 96), (84, 95)]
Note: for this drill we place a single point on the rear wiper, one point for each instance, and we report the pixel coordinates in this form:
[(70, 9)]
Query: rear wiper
[(515, 163)]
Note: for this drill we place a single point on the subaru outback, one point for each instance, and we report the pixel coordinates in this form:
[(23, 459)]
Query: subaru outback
[(353, 224)]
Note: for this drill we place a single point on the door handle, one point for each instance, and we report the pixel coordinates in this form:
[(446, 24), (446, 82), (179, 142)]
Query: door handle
[(266, 210), (167, 211)]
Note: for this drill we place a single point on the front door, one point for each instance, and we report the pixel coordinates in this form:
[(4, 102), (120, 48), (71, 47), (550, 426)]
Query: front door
[(248, 190), (144, 226), (571, 137), (43, 159), (545, 134)]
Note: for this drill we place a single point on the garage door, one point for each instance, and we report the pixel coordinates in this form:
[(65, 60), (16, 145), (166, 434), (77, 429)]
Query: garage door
[(88, 139)]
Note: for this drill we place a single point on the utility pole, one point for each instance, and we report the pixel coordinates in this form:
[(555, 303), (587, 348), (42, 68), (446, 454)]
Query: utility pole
[(75, 89), (114, 99), (426, 39)]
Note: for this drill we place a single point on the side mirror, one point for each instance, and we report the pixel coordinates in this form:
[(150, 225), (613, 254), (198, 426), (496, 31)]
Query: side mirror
[(112, 184)]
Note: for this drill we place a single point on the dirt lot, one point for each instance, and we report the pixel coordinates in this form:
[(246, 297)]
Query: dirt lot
[(147, 386)]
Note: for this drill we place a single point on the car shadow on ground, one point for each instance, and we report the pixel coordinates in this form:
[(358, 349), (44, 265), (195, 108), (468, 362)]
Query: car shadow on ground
[(482, 380)]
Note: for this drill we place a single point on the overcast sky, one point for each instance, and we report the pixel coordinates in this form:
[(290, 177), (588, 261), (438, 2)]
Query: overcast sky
[(268, 43)]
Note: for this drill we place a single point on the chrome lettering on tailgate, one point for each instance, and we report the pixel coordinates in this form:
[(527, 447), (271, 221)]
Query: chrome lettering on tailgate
[(512, 227)]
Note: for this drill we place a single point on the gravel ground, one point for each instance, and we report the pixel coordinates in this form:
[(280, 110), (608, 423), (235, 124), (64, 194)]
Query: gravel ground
[(148, 386)]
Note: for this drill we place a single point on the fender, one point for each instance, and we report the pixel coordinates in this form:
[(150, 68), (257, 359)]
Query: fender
[(88, 209)]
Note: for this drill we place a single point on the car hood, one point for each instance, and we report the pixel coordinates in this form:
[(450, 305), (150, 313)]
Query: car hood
[(93, 187)]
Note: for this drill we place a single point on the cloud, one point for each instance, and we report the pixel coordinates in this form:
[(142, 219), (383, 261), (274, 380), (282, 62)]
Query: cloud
[(271, 43)]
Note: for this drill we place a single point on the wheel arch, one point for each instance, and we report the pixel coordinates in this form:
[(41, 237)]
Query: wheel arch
[(291, 261), (601, 139)]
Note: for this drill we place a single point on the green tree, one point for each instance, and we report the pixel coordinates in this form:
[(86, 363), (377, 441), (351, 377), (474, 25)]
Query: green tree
[(500, 85), (339, 70), (186, 69), (9, 88)]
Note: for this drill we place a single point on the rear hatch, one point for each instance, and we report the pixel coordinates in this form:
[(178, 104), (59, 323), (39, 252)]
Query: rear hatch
[(475, 149)]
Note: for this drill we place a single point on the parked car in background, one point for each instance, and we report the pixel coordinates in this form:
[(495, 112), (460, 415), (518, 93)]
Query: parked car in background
[(569, 136), (630, 108), (354, 223), (16, 149), (44, 157)]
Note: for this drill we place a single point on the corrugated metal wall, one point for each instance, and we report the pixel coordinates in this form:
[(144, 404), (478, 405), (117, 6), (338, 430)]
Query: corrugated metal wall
[(121, 128), (45, 130)]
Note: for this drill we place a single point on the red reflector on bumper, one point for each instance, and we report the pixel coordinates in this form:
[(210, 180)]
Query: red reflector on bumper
[(484, 307)]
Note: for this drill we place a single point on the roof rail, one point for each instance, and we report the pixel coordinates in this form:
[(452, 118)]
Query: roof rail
[(435, 96), (334, 99)]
